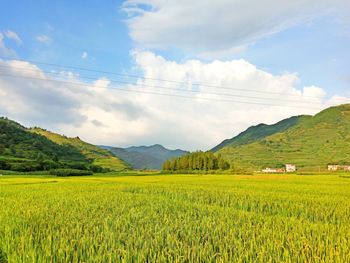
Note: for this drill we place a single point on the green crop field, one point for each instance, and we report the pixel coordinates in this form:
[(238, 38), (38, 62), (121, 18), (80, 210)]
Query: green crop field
[(176, 218)]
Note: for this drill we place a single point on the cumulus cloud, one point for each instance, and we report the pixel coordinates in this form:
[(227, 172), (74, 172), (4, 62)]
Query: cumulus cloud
[(212, 28), (202, 105), (43, 39), (66, 103), (32, 97)]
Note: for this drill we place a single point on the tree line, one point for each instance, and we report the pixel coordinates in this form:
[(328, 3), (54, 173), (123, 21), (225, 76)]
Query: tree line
[(201, 161)]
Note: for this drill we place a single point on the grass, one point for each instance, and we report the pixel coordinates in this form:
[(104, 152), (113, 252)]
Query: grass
[(180, 218), (110, 162)]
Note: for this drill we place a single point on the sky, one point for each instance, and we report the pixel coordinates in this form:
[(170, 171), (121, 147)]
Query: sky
[(184, 74)]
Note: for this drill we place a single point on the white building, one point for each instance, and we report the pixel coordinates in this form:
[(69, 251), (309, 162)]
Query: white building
[(269, 170), (336, 167), (290, 168), (273, 170), (333, 167)]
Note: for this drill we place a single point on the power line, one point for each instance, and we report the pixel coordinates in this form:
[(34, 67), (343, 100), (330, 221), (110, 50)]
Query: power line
[(173, 89), (156, 93), (156, 79)]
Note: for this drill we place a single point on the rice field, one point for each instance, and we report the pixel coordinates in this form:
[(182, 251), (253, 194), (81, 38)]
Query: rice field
[(175, 218)]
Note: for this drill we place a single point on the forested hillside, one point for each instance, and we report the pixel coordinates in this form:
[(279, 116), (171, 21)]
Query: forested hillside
[(23, 149), (260, 131), (95, 154), (311, 144)]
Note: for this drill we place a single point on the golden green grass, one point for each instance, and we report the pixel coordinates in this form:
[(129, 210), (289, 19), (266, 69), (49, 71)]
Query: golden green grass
[(176, 218)]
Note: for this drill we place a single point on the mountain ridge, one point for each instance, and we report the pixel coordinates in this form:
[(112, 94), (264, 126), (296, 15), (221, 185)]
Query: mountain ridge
[(311, 144), (260, 131)]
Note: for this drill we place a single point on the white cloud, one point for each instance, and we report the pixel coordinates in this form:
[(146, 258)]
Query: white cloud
[(12, 35), (43, 39), (84, 55), (4, 49), (222, 27), (101, 114)]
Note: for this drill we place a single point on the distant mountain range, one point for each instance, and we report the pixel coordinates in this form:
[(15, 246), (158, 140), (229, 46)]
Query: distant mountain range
[(310, 142), (145, 157)]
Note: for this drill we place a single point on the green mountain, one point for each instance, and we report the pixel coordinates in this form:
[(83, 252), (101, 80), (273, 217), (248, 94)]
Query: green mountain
[(93, 153), (145, 157), (23, 149), (310, 142), (260, 131)]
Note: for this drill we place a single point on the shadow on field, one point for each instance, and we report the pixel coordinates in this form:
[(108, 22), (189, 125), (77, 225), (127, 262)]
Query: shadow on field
[(121, 174), (50, 182)]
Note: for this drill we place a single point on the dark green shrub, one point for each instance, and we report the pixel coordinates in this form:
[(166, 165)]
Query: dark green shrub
[(70, 172), (77, 166), (49, 165), (96, 169), (4, 165), (25, 167)]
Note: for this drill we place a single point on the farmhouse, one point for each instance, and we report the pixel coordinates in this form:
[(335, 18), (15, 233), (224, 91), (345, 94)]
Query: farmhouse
[(332, 167), (336, 167), (288, 168), (273, 170)]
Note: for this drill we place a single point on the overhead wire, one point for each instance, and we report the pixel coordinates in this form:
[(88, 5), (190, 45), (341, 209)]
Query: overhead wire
[(156, 79), (177, 89), (156, 93)]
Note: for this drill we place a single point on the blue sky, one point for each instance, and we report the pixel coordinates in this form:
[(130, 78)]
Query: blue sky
[(300, 47), (74, 27), (318, 52)]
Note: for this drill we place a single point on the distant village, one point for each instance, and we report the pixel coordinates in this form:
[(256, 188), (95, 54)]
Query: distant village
[(290, 168), (335, 167)]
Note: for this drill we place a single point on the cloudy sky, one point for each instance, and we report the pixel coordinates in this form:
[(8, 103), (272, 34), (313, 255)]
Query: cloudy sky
[(185, 74)]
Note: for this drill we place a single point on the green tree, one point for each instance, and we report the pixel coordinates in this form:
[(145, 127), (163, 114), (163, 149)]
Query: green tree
[(202, 161)]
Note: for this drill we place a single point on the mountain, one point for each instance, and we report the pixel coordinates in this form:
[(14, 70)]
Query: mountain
[(95, 154), (145, 157), (137, 160), (260, 131), (310, 142), (23, 149)]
